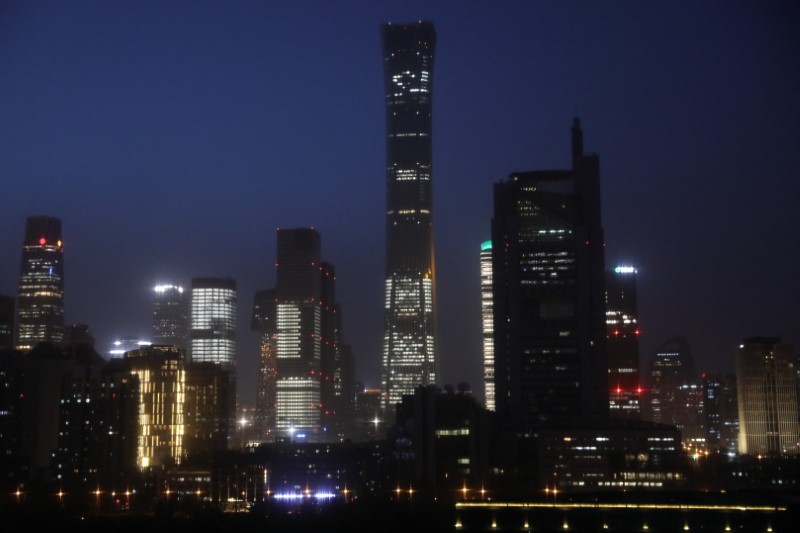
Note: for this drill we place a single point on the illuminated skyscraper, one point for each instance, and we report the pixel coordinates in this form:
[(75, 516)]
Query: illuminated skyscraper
[(487, 319), (170, 316), (623, 343), (40, 306), (214, 321), (162, 381), (264, 322), (299, 333), (549, 309), (409, 345), (767, 395)]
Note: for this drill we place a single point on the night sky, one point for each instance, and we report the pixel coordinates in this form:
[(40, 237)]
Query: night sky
[(173, 138)]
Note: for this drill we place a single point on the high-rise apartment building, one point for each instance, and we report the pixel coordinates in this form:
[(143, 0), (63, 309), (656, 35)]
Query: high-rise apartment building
[(298, 334), (549, 307), (409, 345), (170, 316), (623, 343), (767, 396), (487, 321), (40, 305)]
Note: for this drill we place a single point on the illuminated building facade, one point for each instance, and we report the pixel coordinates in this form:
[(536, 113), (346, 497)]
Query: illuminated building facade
[(487, 321), (40, 305), (162, 387), (6, 322), (299, 334), (214, 321), (170, 316), (767, 396), (409, 345), (549, 307), (674, 392), (623, 343), (264, 322)]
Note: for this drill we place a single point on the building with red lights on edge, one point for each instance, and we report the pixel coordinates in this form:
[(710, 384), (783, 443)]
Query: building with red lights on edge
[(622, 343), (40, 305)]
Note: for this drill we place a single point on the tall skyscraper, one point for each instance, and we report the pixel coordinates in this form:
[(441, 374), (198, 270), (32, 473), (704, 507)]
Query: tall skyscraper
[(299, 333), (162, 388), (487, 320), (40, 306), (549, 309), (721, 412), (170, 316), (214, 321), (409, 345), (671, 369), (623, 343), (264, 321), (767, 396)]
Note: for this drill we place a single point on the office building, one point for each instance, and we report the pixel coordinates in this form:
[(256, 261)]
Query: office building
[(409, 345), (767, 397), (170, 316), (549, 307), (721, 412), (264, 321), (487, 322), (622, 335), (299, 334), (40, 305), (162, 387), (213, 333), (207, 410), (674, 392)]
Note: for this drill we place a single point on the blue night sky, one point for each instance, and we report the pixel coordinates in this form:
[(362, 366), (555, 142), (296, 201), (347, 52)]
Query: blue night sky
[(173, 138)]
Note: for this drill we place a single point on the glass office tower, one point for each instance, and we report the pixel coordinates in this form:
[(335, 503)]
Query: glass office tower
[(40, 306), (409, 354)]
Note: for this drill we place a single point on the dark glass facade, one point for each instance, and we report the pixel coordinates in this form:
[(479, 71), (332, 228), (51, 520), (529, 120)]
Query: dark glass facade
[(40, 306), (409, 351), (623, 343), (549, 306), (171, 316)]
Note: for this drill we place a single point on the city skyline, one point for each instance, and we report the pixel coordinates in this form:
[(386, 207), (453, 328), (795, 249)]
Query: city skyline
[(692, 114)]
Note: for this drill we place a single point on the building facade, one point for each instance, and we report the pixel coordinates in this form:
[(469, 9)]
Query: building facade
[(6, 322), (299, 333), (264, 321), (622, 335), (549, 306), (409, 345), (767, 397), (40, 305), (487, 323), (170, 316)]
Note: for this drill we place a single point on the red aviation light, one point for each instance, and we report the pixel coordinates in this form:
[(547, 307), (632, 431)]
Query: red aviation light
[(636, 332), (42, 241)]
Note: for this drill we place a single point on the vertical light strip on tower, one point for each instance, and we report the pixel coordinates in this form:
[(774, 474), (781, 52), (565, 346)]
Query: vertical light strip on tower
[(487, 322), (409, 357)]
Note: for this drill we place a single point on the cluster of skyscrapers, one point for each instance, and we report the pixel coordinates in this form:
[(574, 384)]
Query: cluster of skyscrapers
[(560, 332)]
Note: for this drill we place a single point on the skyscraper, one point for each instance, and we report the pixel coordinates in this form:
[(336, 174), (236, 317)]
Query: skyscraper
[(40, 306), (299, 333), (548, 282), (623, 343), (170, 316), (767, 396), (409, 345), (214, 321), (264, 322), (487, 320), (6, 322)]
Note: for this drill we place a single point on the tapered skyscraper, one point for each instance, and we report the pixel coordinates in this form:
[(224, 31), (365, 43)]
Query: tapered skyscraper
[(409, 354), (40, 306)]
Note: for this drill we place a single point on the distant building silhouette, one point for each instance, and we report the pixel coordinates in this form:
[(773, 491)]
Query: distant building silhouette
[(6, 322), (549, 306), (40, 305), (767, 397), (721, 412), (622, 320), (264, 321), (171, 316), (409, 345), (675, 395)]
